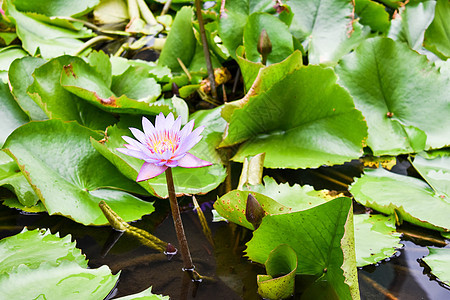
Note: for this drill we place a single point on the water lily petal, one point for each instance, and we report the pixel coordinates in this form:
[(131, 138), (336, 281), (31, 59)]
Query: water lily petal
[(187, 129), (177, 125), (133, 153), (149, 171), (191, 161), (147, 126), (189, 142), (139, 135)]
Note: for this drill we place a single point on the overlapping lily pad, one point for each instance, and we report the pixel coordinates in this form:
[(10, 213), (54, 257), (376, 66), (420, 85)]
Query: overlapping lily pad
[(436, 36), (324, 246), (404, 99), (411, 199), (69, 176), (307, 115), (439, 262), (375, 238)]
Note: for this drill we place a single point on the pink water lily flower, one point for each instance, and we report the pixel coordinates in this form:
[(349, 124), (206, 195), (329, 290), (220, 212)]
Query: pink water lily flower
[(163, 146)]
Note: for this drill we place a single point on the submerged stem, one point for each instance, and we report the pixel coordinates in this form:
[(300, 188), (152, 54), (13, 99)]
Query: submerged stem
[(182, 241)]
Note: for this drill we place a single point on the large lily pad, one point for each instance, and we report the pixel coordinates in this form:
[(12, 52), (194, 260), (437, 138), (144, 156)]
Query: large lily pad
[(280, 37), (435, 170), (20, 78), (11, 115), (321, 236), (39, 37), (373, 14), (410, 24), (57, 7), (439, 262), (80, 79), (180, 42), (39, 264), (47, 92), (411, 199), (405, 101), (187, 181), (375, 238), (325, 28), (69, 176), (436, 36), (307, 115)]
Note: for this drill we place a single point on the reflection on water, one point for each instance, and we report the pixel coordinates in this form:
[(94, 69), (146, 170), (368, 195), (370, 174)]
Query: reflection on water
[(402, 277)]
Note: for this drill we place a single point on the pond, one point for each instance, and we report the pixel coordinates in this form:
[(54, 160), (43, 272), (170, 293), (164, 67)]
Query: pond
[(402, 276)]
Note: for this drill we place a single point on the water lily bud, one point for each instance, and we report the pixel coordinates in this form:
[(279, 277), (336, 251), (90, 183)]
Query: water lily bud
[(254, 211), (264, 45)]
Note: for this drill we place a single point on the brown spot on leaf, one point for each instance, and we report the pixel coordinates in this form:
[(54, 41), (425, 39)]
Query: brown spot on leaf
[(389, 114), (69, 70)]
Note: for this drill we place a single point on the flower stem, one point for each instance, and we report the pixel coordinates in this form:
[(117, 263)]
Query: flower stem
[(182, 241)]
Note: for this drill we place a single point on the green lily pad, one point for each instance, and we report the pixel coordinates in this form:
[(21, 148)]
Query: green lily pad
[(411, 199), (8, 55), (325, 29), (321, 236), (280, 37), (410, 24), (403, 98), (307, 115), (120, 65), (42, 38), (436, 36), (372, 14), (375, 238), (11, 115), (180, 43), (20, 78), (57, 7), (47, 92), (435, 170), (281, 267), (439, 262), (37, 247), (129, 92), (39, 264), (69, 176), (187, 181), (144, 295)]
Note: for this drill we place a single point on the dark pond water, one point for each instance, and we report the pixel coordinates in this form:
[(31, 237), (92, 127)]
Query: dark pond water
[(401, 277)]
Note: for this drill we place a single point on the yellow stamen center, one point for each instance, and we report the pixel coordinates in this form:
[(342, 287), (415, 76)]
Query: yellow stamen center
[(163, 141)]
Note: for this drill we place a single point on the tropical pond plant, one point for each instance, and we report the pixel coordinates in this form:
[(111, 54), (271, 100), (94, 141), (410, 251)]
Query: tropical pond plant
[(302, 85)]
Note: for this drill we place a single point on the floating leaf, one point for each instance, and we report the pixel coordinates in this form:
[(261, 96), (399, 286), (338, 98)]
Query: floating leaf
[(375, 238), (57, 102), (180, 42), (325, 29), (436, 36), (37, 247), (79, 79), (404, 100), (317, 236), (307, 115), (144, 295), (187, 181), (57, 7), (410, 24), (11, 115), (281, 267), (46, 39), (435, 170), (439, 262), (8, 55), (280, 37), (39, 264), (372, 14), (409, 198), (20, 78), (74, 178)]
